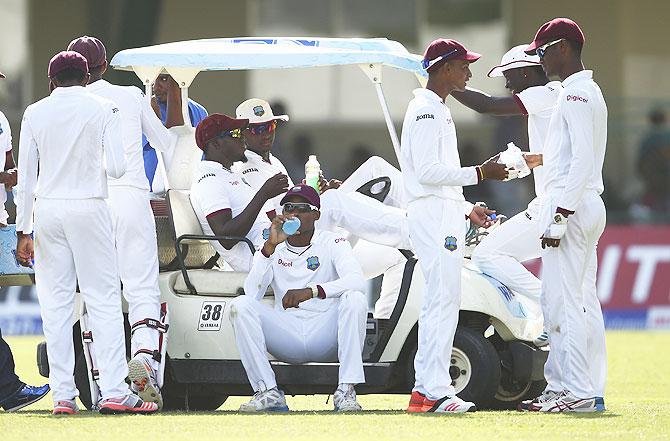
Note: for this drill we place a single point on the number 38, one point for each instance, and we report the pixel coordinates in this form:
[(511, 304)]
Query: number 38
[(212, 312)]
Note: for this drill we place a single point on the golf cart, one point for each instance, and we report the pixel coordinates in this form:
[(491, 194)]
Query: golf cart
[(493, 363)]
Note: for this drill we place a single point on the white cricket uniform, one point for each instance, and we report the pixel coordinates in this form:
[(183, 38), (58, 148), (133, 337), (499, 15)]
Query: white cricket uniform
[(319, 330), (373, 168), (217, 189), (5, 146), (256, 172), (74, 138), (573, 158), (433, 179), (132, 217)]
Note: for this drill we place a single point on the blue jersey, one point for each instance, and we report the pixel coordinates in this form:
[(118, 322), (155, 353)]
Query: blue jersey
[(196, 113)]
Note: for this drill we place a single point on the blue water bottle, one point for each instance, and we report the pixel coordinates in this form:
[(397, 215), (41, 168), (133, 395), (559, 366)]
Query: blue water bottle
[(291, 226)]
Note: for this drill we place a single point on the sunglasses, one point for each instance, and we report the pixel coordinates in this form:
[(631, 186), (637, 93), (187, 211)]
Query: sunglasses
[(259, 129), (543, 49), (235, 133), (427, 64), (298, 207)]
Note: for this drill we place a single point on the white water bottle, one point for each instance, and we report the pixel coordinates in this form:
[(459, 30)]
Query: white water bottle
[(312, 172)]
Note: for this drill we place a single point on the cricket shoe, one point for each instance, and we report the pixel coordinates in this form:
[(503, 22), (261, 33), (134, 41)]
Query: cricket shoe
[(26, 396), (416, 402), (271, 400), (447, 405), (65, 407), (542, 339), (143, 380), (127, 404), (546, 396), (345, 400), (565, 402)]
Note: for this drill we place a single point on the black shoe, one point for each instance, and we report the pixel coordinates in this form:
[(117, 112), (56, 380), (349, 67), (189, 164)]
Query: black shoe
[(26, 396)]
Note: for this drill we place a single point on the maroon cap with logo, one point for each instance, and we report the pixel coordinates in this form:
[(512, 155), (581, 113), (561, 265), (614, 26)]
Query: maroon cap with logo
[(210, 127), (306, 192), (446, 49), (91, 48), (555, 30), (67, 60)]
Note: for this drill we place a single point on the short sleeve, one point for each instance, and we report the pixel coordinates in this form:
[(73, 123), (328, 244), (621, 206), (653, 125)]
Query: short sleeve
[(210, 193), (537, 99)]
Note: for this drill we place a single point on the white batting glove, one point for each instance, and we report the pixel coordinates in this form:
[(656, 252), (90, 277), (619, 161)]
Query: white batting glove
[(555, 231)]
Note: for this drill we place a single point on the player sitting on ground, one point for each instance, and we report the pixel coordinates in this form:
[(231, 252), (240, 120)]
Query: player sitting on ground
[(319, 313)]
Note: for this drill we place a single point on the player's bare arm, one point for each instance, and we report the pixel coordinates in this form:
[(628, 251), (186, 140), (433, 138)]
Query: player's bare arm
[(175, 116), (9, 176), (491, 169), (482, 102), (224, 224)]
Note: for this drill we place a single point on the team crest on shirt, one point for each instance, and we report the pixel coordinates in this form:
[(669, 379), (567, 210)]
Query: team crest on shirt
[(259, 111), (450, 243), (313, 263)]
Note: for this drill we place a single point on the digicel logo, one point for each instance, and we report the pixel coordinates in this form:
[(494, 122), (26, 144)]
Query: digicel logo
[(577, 98)]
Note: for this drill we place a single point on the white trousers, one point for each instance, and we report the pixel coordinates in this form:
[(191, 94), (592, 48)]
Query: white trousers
[(73, 240), (437, 230), (137, 257), (571, 308), (374, 168), (299, 336)]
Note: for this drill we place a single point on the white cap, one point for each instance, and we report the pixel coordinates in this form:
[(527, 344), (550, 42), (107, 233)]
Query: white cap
[(514, 59), (257, 111)]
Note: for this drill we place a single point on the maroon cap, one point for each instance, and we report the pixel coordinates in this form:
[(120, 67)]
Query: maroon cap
[(67, 60), (555, 30), (306, 192), (91, 48), (446, 49), (214, 124)]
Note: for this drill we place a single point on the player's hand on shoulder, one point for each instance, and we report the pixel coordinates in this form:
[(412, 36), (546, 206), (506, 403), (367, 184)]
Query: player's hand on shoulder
[(275, 185), (294, 297), (491, 169), (481, 216)]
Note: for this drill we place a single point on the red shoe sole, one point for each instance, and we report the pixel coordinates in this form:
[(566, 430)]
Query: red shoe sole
[(113, 409)]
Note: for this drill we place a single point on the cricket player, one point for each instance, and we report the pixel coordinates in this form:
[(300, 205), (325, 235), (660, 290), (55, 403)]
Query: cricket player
[(571, 219), (319, 313), (132, 217), (73, 138), (500, 254), (433, 179), (7, 166), (223, 200)]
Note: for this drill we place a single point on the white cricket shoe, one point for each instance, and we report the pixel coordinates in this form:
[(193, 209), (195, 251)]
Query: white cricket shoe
[(448, 405), (565, 402), (542, 339), (345, 400), (271, 400), (143, 380), (546, 396)]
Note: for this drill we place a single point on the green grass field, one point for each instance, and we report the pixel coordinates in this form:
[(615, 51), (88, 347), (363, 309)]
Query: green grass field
[(638, 401)]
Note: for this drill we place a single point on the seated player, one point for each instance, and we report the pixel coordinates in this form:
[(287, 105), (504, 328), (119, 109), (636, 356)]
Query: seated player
[(319, 313)]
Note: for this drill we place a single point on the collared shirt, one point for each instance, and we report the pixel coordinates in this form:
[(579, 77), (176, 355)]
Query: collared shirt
[(137, 118), (65, 135), (574, 151), (5, 146), (328, 261), (538, 103), (257, 171), (429, 156), (216, 189)]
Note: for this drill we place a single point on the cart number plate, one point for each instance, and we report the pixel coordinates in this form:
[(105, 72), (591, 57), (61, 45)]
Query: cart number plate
[(211, 315)]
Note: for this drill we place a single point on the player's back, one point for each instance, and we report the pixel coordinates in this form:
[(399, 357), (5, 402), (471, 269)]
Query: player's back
[(68, 128)]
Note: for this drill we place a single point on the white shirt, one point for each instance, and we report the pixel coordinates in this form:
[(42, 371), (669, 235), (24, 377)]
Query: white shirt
[(216, 189), (5, 146), (574, 151), (429, 156), (538, 103), (328, 262), (65, 134), (137, 117), (257, 171)]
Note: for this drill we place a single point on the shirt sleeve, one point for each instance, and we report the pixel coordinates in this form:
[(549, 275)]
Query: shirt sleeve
[(159, 136), (211, 195), (425, 134), (27, 177), (112, 143), (260, 276), (536, 99), (5, 134), (578, 116), (348, 269)]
